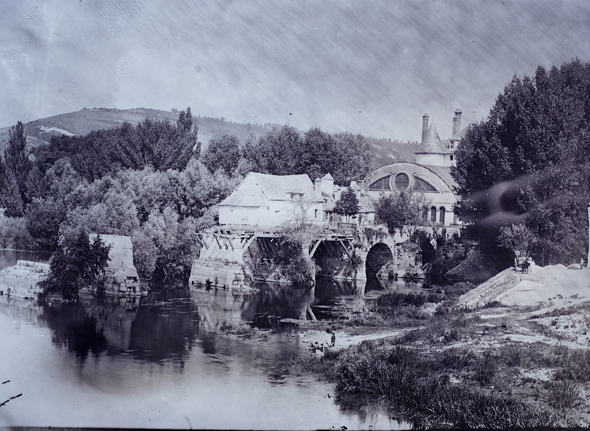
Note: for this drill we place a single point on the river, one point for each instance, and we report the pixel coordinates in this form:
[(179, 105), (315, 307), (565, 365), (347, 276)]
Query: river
[(162, 362)]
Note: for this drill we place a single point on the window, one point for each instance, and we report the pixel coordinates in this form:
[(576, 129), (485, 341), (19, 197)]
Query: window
[(382, 184), (433, 214), (402, 181), (423, 186), (441, 218)]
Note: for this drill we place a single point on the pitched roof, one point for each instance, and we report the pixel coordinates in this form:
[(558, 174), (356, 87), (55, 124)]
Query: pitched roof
[(444, 173), (256, 189)]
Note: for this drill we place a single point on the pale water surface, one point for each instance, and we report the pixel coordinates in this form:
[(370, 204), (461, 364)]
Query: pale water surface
[(161, 364)]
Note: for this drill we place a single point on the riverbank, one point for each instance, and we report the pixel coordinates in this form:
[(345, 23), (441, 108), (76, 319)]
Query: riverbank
[(513, 352), (21, 280)]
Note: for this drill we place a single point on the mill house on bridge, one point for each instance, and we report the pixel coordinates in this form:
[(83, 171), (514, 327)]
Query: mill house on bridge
[(246, 242)]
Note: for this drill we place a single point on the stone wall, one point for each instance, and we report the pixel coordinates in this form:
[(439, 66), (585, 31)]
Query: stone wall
[(220, 273)]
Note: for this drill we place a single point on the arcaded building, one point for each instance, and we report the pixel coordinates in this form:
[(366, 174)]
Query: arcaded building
[(430, 174)]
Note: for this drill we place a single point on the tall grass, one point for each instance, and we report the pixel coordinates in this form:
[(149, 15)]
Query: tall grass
[(408, 380)]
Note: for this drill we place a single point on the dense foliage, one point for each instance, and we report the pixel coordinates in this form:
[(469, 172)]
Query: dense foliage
[(159, 144), (529, 162), (284, 151), (76, 263), (150, 182), (396, 210), (223, 153), (348, 204), (14, 171)]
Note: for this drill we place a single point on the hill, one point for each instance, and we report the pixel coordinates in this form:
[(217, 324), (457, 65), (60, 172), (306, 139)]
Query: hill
[(86, 120)]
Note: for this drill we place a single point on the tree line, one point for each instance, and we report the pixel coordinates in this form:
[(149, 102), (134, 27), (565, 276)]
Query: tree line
[(151, 182), (524, 171)]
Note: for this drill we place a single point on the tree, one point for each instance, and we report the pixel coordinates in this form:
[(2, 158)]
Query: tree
[(348, 204), (16, 158), (529, 162), (160, 144), (223, 153), (74, 265), (517, 238), (396, 210), (10, 194), (175, 244), (43, 221)]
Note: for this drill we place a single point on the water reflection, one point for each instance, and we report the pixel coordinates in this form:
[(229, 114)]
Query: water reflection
[(166, 331), (168, 325), (165, 352), (273, 302), (74, 329)]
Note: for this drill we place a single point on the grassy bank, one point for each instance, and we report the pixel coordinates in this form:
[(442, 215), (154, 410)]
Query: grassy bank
[(451, 368)]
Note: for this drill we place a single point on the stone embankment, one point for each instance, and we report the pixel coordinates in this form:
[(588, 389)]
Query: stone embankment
[(21, 280)]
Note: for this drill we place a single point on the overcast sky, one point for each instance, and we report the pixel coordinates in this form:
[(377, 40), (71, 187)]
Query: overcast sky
[(371, 67)]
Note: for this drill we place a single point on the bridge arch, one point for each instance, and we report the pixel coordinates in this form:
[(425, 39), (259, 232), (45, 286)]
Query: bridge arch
[(379, 255)]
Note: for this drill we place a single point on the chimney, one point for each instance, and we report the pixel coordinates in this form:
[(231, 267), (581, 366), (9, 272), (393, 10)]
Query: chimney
[(457, 123), (318, 187), (424, 126)]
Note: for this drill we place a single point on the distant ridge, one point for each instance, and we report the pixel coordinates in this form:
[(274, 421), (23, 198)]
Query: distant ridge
[(82, 122), (86, 120)]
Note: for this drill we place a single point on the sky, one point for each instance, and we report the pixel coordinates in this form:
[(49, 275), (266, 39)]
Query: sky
[(370, 67)]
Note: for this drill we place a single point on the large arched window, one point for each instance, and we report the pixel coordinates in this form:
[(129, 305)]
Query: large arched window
[(441, 217), (382, 184), (402, 181), (433, 214)]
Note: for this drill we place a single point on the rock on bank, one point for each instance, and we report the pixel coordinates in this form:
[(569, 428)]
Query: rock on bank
[(21, 279)]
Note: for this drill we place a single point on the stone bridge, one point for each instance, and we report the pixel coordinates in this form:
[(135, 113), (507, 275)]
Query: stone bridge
[(235, 257)]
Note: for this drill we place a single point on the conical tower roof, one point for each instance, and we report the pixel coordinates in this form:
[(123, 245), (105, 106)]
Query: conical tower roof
[(431, 142)]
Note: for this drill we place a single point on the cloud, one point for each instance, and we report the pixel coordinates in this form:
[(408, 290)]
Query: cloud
[(372, 67)]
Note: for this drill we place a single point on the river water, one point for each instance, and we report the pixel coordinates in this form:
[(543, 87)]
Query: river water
[(162, 362)]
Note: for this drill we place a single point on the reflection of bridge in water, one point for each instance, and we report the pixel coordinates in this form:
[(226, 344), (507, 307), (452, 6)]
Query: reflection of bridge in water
[(233, 257), (159, 327)]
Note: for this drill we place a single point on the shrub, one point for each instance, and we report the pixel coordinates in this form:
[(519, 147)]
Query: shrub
[(485, 368), (406, 378), (514, 356), (563, 394), (74, 265), (455, 358)]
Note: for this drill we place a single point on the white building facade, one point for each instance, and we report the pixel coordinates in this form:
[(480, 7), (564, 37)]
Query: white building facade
[(430, 175)]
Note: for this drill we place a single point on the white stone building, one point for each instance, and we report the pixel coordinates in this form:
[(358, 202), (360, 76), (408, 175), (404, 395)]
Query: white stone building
[(272, 200), (430, 174)]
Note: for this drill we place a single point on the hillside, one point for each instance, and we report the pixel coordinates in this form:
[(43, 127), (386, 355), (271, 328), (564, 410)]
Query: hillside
[(86, 120)]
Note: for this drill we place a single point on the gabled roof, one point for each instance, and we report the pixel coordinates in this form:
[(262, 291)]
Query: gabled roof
[(256, 189)]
